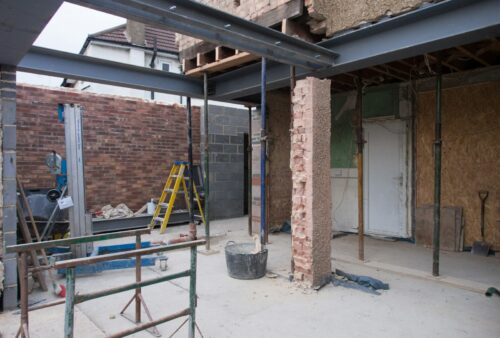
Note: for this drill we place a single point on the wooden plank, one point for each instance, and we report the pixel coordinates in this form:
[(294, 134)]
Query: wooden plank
[(222, 52), (223, 64), (297, 30), (27, 238), (291, 9), (205, 58)]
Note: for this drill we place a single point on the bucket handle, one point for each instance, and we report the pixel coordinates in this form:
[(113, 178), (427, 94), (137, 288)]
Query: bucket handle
[(228, 243)]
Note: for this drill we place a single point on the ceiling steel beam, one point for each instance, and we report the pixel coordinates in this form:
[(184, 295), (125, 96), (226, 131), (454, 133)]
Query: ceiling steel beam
[(428, 29), (209, 24), (79, 67), (21, 21)]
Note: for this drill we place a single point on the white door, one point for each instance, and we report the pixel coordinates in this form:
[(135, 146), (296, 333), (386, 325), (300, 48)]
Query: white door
[(385, 178)]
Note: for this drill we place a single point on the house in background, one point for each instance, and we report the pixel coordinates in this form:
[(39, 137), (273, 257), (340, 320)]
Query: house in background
[(136, 44)]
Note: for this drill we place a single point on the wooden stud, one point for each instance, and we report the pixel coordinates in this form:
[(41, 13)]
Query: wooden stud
[(472, 56)]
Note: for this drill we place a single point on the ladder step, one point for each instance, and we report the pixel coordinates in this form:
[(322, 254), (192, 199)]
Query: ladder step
[(172, 190), (159, 219), (164, 205), (186, 178)]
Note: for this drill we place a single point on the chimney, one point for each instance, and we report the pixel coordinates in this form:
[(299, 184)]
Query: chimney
[(135, 33)]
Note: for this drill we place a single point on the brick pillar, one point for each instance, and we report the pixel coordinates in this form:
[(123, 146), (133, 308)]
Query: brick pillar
[(8, 185), (311, 195)]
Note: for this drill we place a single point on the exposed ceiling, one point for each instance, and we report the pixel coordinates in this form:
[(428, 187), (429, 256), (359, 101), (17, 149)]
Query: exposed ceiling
[(21, 21)]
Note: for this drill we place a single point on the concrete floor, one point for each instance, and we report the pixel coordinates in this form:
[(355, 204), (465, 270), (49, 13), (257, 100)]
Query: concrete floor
[(274, 307)]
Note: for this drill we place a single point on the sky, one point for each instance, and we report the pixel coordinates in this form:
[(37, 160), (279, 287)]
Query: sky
[(67, 31)]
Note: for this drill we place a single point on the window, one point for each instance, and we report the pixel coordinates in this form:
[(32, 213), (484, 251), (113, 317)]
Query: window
[(165, 67)]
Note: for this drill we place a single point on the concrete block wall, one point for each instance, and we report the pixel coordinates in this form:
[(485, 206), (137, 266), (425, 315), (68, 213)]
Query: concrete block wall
[(8, 186), (226, 127), (311, 193), (129, 144)]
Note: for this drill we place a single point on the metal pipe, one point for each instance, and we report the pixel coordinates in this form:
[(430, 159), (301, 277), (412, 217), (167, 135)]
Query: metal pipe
[(249, 165), (150, 324), (138, 263), (192, 293), (77, 240), (123, 254), (437, 173), (192, 225), (359, 157), (69, 311), (263, 151), (292, 88), (80, 298), (206, 172), (23, 286)]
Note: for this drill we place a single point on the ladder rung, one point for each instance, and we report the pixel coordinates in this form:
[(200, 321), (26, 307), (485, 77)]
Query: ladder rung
[(159, 219), (165, 205), (172, 190), (186, 178)]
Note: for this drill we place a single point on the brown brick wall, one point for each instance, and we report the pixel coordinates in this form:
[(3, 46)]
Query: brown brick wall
[(129, 143)]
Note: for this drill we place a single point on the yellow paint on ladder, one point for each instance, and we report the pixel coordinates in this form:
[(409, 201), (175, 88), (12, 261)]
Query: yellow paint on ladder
[(175, 177)]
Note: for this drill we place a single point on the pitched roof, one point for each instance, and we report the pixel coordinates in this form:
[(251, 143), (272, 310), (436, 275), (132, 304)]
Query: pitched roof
[(165, 40)]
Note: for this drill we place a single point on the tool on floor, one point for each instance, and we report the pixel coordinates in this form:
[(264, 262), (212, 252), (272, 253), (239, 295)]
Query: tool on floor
[(176, 179), (481, 248)]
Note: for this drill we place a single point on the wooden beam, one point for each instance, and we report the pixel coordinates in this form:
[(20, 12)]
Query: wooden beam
[(297, 30), (446, 64), (217, 66), (385, 72), (205, 58), (472, 56), (222, 52)]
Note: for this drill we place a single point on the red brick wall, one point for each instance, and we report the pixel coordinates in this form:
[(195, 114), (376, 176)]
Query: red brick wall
[(129, 143)]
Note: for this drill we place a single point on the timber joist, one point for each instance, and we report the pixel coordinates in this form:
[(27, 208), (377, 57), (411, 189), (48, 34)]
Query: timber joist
[(216, 60)]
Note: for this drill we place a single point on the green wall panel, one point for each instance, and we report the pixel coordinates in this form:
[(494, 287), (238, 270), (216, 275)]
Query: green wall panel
[(377, 102)]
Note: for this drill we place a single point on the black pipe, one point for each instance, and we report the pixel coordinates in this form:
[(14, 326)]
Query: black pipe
[(437, 174), (263, 151), (190, 160), (206, 177), (249, 166)]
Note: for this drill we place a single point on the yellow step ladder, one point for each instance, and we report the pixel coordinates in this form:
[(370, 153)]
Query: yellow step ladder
[(178, 179)]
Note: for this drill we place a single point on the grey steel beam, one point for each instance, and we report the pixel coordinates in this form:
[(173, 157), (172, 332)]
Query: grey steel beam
[(209, 24), (79, 67), (435, 27), (21, 21)]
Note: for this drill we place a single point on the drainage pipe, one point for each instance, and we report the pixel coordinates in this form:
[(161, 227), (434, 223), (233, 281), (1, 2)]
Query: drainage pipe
[(263, 152), (437, 173)]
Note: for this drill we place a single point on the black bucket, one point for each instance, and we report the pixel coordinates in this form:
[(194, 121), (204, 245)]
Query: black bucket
[(242, 263)]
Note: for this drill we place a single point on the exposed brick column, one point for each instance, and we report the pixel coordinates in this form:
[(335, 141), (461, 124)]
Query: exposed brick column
[(8, 185), (311, 195)]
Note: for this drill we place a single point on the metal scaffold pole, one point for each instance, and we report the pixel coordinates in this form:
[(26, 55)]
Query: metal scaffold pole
[(359, 158), (206, 176), (263, 153), (192, 225), (437, 174)]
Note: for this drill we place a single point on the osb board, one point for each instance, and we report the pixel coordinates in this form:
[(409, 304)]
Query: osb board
[(280, 175), (450, 230), (470, 155)]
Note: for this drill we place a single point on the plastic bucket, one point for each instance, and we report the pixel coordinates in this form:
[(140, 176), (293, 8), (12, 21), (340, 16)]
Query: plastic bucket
[(242, 263)]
